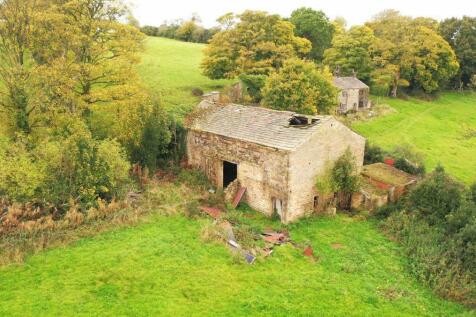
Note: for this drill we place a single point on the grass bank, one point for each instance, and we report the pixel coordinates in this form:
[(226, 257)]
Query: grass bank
[(444, 130)]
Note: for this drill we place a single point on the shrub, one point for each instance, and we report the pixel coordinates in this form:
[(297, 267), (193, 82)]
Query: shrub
[(81, 168), (342, 178), (373, 154), (408, 159), (20, 174), (472, 192), (197, 92), (436, 196), (439, 235), (154, 140), (253, 85), (193, 178)]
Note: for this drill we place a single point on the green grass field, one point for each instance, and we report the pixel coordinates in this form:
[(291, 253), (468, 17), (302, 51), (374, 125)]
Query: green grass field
[(444, 130), (163, 268), (171, 69)]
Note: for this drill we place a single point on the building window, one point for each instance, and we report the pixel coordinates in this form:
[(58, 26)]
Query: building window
[(278, 207), (316, 201)]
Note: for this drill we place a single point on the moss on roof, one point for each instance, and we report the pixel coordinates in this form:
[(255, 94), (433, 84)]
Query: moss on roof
[(372, 189), (387, 174)]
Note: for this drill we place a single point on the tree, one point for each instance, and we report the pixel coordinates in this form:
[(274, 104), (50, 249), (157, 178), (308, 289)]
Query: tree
[(433, 60), (16, 18), (186, 31), (436, 196), (409, 52), (227, 21), (351, 51), (154, 140), (314, 26), (301, 87), (89, 35), (461, 34), (256, 45)]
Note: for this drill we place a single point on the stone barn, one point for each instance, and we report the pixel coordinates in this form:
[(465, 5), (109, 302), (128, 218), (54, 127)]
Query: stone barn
[(275, 155), (353, 94)]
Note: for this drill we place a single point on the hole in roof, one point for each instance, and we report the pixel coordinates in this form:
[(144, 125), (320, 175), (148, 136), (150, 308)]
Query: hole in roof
[(298, 121), (302, 121)]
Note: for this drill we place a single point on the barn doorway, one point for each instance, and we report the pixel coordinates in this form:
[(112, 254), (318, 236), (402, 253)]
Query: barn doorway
[(230, 172)]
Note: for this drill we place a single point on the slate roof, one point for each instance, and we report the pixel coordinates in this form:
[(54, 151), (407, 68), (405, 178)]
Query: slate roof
[(349, 83), (257, 125)]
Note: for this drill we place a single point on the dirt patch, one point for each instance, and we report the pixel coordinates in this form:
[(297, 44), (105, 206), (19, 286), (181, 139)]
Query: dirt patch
[(337, 246)]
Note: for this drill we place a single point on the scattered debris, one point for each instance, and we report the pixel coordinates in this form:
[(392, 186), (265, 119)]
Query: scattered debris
[(309, 252), (234, 244), (266, 252), (228, 230), (250, 258), (211, 211), (235, 247), (238, 197), (275, 237)]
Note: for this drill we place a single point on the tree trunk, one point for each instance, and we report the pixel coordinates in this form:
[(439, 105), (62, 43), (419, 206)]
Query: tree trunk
[(393, 92)]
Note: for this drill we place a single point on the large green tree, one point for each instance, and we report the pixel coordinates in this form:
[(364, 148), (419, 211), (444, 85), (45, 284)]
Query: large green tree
[(301, 87), (461, 34), (100, 50), (16, 19), (409, 52), (314, 26), (351, 52), (257, 44)]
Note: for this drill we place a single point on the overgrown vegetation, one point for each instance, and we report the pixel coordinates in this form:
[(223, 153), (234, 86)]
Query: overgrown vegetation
[(436, 224), (76, 113), (404, 157), (341, 179)]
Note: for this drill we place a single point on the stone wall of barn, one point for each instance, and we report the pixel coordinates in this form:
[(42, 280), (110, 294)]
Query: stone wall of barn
[(262, 170), (313, 158)]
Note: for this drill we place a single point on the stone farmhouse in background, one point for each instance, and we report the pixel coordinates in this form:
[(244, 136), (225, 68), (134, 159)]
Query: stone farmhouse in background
[(276, 155), (353, 94)]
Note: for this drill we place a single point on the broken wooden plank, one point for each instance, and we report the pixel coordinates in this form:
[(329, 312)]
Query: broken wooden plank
[(211, 211), (239, 196)]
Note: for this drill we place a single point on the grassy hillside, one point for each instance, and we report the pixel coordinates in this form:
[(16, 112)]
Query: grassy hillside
[(444, 130), (171, 69), (163, 268), (439, 129)]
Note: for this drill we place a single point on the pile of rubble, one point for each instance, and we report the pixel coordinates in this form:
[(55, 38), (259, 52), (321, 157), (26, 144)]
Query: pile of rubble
[(270, 237)]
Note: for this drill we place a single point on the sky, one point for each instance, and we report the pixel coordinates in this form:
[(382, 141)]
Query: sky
[(154, 12)]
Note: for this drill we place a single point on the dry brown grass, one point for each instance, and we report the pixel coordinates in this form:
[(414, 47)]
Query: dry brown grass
[(25, 230)]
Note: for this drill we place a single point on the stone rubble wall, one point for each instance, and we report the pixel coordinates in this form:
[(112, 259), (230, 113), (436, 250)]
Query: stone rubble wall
[(262, 170)]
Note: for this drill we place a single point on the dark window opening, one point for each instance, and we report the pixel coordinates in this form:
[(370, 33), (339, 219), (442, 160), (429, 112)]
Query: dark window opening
[(230, 172), (316, 201), (278, 207)]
